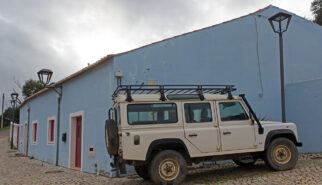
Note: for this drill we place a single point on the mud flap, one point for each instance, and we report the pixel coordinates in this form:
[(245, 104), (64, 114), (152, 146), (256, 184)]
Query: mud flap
[(119, 166)]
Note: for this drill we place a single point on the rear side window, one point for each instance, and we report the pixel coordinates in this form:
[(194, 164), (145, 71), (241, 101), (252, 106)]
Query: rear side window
[(231, 111), (157, 113), (197, 112)]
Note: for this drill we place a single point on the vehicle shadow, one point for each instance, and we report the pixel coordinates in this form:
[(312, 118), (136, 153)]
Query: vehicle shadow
[(218, 174), (225, 172)]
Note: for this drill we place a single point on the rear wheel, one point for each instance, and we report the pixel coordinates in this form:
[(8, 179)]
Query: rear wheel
[(168, 167), (281, 154), (142, 171)]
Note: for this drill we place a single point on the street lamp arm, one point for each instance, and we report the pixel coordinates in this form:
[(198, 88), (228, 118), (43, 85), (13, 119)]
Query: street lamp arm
[(18, 101), (58, 90)]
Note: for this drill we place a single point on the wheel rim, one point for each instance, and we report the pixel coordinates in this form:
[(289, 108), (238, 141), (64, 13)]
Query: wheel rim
[(282, 154), (169, 169)]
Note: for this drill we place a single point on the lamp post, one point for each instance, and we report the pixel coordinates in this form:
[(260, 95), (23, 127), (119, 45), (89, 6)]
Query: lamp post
[(13, 101), (280, 23), (44, 76)]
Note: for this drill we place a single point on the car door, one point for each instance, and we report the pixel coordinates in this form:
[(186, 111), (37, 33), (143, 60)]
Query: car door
[(237, 131), (200, 126)]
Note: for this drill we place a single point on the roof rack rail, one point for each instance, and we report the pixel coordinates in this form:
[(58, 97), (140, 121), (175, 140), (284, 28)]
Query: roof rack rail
[(173, 89)]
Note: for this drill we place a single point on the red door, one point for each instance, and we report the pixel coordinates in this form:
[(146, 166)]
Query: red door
[(78, 142)]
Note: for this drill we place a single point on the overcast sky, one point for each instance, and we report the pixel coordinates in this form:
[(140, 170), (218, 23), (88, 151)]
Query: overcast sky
[(66, 35)]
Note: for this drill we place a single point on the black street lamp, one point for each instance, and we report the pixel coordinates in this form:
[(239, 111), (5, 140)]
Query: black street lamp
[(280, 23), (13, 101), (44, 76)]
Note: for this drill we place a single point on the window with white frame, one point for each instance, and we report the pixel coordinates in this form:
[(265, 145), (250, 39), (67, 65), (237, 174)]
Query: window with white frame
[(51, 131), (34, 132)]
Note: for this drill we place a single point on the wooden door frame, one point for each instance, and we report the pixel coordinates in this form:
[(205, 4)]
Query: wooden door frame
[(72, 139)]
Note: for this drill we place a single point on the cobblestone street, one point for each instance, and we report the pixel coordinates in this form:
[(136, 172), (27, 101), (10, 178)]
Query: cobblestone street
[(16, 169)]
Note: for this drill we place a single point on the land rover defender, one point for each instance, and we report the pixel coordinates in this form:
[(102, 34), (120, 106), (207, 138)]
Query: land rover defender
[(162, 129)]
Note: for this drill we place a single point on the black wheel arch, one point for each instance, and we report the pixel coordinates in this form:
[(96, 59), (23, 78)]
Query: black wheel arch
[(289, 134), (167, 144)]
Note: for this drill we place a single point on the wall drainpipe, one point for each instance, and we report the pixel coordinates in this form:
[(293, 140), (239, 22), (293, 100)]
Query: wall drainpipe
[(58, 130)]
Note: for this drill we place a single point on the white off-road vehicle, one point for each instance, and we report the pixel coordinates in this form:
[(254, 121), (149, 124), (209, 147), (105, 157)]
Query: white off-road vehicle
[(162, 129)]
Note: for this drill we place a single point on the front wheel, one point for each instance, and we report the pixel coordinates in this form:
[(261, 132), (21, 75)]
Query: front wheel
[(281, 154), (168, 167)]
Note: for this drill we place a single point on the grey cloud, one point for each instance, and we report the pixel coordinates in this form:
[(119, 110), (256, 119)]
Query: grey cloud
[(25, 48)]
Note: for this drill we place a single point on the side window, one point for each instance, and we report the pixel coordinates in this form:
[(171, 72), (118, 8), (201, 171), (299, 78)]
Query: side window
[(197, 112), (230, 111), (157, 113)]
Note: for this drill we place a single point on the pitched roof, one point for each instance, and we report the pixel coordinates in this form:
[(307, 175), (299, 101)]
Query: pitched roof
[(68, 78), (109, 57)]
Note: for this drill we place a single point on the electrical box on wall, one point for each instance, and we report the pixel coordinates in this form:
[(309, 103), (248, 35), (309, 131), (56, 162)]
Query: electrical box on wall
[(64, 137), (152, 82), (118, 73), (91, 151)]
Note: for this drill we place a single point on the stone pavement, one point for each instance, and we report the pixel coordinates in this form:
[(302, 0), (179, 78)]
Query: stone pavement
[(5, 133), (16, 169)]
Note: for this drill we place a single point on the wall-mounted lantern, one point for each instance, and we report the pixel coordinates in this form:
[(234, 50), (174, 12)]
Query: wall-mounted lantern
[(13, 101), (44, 76)]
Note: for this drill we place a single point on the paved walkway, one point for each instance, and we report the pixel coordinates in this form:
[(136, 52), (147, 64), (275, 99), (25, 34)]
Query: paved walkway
[(16, 169), (5, 133)]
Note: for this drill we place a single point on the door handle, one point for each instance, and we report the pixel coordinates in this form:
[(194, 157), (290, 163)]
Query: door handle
[(226, 133), (193, 135)]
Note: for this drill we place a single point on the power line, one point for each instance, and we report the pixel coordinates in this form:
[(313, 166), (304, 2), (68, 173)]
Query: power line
[(258, 59)]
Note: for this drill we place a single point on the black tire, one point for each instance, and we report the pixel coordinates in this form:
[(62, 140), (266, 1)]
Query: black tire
[(168, 167), (142, 171), (281, 154), (111, 137), (245, 162)]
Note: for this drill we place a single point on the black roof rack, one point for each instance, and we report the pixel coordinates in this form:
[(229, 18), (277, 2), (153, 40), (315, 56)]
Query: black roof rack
[(173, 89)]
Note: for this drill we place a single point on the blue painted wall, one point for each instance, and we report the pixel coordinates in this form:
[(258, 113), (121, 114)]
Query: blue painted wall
[(304, 106), (243, 52), (89, 93), (41, 109)]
